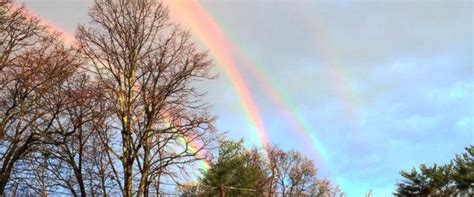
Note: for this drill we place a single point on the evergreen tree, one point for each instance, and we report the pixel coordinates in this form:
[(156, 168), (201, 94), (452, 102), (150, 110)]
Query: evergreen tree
[(425, 181), (235, 167), (439, 180), (463, 174)]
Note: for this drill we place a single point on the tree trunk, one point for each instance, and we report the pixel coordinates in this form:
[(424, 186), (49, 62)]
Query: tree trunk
[(4, 177), (127, 151), (128, 181), (146, 192), (104, 190), (80, 182), (272, 181), (144, 183), (127, 169), (221, 190)]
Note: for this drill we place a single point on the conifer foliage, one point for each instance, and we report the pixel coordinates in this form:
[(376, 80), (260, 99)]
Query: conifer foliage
[(439, 180)]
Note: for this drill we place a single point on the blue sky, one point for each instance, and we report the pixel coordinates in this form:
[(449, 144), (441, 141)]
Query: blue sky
[(407, 77)]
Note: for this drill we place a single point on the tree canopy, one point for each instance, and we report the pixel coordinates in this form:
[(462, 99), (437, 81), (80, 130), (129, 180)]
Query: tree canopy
[(235, 167), (439, 180), (268, 172)]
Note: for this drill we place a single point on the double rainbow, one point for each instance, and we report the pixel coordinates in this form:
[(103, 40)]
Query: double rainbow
[(222, 49)]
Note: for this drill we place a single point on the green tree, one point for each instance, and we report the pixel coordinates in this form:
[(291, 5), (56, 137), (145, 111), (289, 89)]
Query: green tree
[(439, 180), (235, 168), (463, 174), (428, 180)]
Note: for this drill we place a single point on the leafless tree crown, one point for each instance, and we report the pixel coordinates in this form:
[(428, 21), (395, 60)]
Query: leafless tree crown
[(90, 119)]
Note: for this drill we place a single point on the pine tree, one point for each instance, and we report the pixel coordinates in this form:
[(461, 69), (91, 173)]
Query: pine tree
[(464, 170), (439, 180)]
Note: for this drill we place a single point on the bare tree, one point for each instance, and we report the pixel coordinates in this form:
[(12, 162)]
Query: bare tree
[(148, 67), (274, 154), (302, 175), (32, 61), (100, 166), (34, 176), (321, 188), (72, 146), (292, 174), (280, 165)]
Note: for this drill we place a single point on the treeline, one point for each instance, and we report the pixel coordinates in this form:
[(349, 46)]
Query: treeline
[(237, 171), (453, 179), (113, 113)]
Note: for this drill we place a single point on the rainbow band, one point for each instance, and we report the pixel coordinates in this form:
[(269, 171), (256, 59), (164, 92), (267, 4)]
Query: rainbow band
[(203, 165), (209, 32), (191, 145), (289, 110), (52, 28), (206, 29)]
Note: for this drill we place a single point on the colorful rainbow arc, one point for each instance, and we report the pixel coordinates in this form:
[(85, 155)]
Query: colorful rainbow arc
[(52, 28), (193, 148), (221, 50), (288, 108), (338, 75), (208, 31), (191, 145)]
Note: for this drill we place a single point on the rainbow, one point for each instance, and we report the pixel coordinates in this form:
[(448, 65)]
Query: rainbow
[(339, 76), (221, 50), (290, 112), (288, 109), (52, 27), (190, 145), (193, 148), (208, 31)]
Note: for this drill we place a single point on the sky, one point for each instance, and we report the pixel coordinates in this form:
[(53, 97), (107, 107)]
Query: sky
[(365, 88)]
